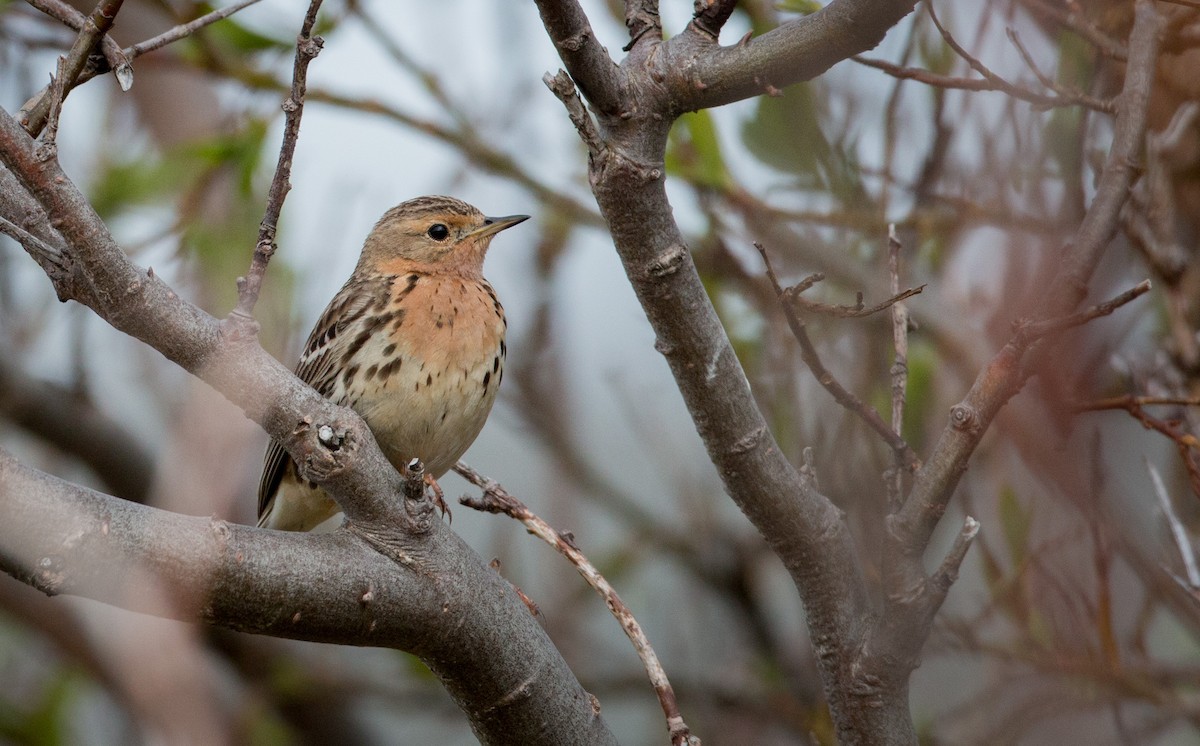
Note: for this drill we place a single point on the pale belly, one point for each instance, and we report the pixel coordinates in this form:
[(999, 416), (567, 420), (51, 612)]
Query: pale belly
[(425, 388)]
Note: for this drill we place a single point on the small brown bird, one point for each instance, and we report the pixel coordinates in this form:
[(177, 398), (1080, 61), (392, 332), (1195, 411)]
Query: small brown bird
[(413, 342)]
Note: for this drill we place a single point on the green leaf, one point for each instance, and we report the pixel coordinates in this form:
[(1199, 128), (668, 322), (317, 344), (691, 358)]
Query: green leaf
[(47, 723), (1016, 522), (694, 152), (785, 133)]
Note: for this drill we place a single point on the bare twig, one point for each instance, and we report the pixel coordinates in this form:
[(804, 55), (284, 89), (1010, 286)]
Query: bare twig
[(1178, 532), (307, 47), (58, 91), (1072, 18), (947, 572), (174, 34), (184, 30), (495, 499), (34, 114), (993, 83), (1036, 330), (42, 252), (1127, 400), (568, 27), (899, 368), (564, 89), (73, 19), (856, 311), (1186, 443), (808, 352)]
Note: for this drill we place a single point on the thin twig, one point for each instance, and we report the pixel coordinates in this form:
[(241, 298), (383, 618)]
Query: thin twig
[(856, 311), (73, 19), (1178, 532), (495, 499), (307, 47), (44, 253), (1186, 443), (899, 369), (563, 87), (993, 83), (1065, 97), (34, 114), (848, 400), (1127, 400), (947, 572), (174, 34), (1039, 329), (184, 30), (1077, 22)]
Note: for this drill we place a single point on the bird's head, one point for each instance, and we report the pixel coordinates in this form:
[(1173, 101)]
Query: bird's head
[(433, 234)]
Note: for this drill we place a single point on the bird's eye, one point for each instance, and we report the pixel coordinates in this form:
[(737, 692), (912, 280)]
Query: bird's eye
[(438, 232)]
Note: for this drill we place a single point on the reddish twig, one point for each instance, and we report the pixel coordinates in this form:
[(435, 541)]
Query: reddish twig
[(495, 499), (307, 47), (844, 397), (1187, 444), (1031, 331)]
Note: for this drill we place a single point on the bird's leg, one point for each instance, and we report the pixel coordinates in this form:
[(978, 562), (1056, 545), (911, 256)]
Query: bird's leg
[(439, 497)]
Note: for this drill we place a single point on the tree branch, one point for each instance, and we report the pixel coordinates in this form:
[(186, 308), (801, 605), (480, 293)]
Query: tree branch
[(36, 113), (707, 75), (1004, 375), (394, 555), (307, 48), (840, 394), (584, 57), (496, 499), (441, 604)]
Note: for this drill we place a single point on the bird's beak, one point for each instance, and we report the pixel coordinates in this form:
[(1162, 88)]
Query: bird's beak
[(492, 226)]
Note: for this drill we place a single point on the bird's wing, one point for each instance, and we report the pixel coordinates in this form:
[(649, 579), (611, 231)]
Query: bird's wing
[(319, 367)]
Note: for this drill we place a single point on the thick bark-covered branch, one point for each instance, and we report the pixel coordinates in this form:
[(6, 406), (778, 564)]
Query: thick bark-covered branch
[(432, 594), (705, 74), (436, 600), (571, 32), (803, 527)]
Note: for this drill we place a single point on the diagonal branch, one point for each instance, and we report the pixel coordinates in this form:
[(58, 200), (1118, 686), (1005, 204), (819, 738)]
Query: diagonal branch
[(841, 395), (307, 48), (1004, 375), (584, 57), (795, 51), (496, 499), (35, 114), (73, 19)]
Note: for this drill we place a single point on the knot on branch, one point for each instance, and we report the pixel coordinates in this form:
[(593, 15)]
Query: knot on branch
[(574, 43), (667, 263), (334, 446), (49, 575), (418, 504), (964, 417)]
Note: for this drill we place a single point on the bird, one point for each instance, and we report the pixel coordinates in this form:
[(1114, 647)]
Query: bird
[(414, 342)]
